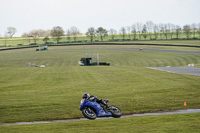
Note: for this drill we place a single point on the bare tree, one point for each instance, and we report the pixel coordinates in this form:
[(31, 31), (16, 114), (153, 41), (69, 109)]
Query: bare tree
[(171, 28), (68, 35), (74, 32), (122, 32), (129, 32), (112, 32), (35, 38), (161, 27), (101, 32), (166, 31), (198, 29), (187, 30), (194, 29), (134, 31), (177, 31), (5, 38), (156, 31), (34, 35), (144, 32), (38, 32), (149, 27), (91, 33), (57, 32), (11, 31), (139, 28)]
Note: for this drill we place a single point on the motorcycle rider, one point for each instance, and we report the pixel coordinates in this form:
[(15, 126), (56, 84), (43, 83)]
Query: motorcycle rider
[(94, 98)]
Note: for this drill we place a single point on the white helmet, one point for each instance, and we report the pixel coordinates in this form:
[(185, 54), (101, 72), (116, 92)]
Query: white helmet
[(86, 95)]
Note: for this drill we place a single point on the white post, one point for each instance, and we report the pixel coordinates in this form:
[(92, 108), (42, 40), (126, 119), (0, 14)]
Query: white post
[(97, 58)]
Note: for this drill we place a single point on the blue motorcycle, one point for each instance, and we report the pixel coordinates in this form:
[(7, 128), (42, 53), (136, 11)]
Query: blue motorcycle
[(92, 109)]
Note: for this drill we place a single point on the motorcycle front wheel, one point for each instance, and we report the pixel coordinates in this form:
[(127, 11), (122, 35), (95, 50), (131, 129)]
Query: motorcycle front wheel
[(89, 113), (116, 112)]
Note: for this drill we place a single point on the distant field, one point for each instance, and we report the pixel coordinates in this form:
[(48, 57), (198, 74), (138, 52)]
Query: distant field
[(22, 41), (182, 123), (54, 92)]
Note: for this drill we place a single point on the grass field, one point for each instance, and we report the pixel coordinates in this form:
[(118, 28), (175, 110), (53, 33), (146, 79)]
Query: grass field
[(54, 92), (184, 123)]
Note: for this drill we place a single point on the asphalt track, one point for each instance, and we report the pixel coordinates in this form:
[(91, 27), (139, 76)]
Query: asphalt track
[(180, 70), (123, 116), (172, 51)]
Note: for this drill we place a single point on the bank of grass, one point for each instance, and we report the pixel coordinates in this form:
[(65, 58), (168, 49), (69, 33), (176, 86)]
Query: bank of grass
[(115, 55), (30, 94), (54, 92), (181, 123)]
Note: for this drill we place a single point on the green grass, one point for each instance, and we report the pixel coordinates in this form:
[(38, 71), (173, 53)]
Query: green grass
[(116, 55), (182, 123), (54, 92)]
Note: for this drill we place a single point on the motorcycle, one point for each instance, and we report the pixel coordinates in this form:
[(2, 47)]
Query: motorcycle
[(92, 110)]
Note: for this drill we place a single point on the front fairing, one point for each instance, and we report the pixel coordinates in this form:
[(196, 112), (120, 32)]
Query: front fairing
[(82, 105)]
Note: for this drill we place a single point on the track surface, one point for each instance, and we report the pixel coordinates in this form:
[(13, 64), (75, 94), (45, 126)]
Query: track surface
[(180, 70), (124, 116)]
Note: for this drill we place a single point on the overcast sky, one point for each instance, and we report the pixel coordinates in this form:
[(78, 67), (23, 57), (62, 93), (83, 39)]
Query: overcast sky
[(26, 15)]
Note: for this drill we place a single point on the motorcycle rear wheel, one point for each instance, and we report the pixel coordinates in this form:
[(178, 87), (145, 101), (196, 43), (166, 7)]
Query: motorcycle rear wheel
[(89, 113)]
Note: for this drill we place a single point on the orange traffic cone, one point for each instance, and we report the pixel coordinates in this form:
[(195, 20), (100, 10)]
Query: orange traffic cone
[(185, 103)]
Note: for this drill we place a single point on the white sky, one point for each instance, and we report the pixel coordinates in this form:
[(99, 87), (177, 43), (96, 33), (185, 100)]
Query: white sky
[(26, 15)]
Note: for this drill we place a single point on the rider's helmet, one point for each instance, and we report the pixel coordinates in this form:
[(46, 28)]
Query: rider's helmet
[(86, 95)]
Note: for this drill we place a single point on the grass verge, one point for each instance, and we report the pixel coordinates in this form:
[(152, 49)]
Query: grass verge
[(183, 123)]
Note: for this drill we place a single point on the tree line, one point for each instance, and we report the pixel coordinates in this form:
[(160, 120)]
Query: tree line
[(137, 31)]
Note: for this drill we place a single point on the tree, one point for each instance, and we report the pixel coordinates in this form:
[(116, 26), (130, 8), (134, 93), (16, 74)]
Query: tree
[(166, 31), (161, 27), (68, 35), (198, 29), (112, 32), (35, 38), (139, 27), (129, 32), (177, 30), (194, 29), (122, 32), (156, 31), (74, 32), (57, 32), (186, 30), (5, 38), (134, 31), (149, 27), (38, 32), (11, 31), (102, 32), (144, 32), (46, 39), (171, 28), (91, 33)]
